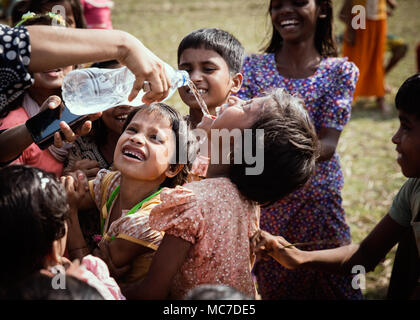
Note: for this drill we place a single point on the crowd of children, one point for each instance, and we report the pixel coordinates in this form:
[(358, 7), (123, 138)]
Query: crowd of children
[(121, 214)]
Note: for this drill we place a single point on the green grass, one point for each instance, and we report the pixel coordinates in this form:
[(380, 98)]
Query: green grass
[(372, 176)]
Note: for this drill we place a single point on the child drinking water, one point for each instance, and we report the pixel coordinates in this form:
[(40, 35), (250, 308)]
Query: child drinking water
[(208, 223), (401, 224), (301, 57), (147, 157), (213, 59)]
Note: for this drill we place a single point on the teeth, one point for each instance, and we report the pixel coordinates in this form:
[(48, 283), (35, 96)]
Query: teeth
[(288, 22), (121, 117), (133, 155)]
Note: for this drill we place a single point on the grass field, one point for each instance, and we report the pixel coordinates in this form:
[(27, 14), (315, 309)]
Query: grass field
[(372, 176)]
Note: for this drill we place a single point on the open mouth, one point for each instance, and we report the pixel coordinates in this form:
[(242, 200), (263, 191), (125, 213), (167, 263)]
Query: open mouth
[(134, 154), (199, 90), (290, 23), (121, 117), (53, 73)]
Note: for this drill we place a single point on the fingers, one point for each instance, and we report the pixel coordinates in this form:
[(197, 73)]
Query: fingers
[(158, 88), (52, 102), (206, 122), (58, 142), (85, 128), (69, 135)]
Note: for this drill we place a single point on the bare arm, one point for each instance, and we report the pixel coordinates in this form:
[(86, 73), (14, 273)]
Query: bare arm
[(69, 46), (328, 139), (16, 139), (340, 260), (168, 259)]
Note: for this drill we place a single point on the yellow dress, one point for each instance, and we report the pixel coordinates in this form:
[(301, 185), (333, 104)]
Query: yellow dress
[(131, 226)]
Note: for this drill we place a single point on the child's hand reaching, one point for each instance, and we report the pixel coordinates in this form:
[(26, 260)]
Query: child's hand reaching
[(76, 186), (277, 247)]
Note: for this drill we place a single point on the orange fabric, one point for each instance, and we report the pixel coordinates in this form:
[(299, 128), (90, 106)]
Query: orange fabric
[(375, 9), (368, 55)]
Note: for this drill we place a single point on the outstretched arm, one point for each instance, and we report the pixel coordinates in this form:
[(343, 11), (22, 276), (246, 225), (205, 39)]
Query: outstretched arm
[(68, 46), (340, 260)]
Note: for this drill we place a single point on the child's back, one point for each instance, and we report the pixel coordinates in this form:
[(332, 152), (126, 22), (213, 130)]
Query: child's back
[(218, 220)]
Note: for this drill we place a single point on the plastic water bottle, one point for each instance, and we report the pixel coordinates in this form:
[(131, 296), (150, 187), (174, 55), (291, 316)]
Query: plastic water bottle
[(92, 90)]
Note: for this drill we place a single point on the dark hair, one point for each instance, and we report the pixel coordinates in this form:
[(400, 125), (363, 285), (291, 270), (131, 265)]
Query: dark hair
[(99, 129), (290, 150), (39, 19), (408, 96), (38, 287), (185, 144), (324, 35), (215, 292), (33, 206), (225, 44), (43, 6)]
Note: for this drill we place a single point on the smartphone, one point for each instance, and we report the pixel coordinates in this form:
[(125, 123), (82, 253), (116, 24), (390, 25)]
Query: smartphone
[(43, 125)]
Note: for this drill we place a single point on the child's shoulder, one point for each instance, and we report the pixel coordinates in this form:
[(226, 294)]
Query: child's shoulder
[(259, 58), (339, 66)]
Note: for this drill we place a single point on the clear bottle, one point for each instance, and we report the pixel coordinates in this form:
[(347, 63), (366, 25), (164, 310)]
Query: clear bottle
[(92, 90)]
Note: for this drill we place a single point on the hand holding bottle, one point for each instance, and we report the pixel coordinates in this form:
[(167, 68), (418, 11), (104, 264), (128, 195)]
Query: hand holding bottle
[(146, 67)]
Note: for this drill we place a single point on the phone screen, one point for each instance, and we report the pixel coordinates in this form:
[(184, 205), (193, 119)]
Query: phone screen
[(43, 125)]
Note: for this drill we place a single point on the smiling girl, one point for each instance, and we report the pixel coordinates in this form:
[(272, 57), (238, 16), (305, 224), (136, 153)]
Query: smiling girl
[(145, 157), (301, 57)]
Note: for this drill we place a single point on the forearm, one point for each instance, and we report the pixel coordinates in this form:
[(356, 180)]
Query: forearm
[(68, 46), (13, 141), (76, 243), (337, 260), (327, 150)]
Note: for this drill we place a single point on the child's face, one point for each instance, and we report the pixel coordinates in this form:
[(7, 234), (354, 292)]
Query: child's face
[(114, 118), (407, 139), (144, 149), (51, 79), (294, 19), (238, 115), (210, 73)]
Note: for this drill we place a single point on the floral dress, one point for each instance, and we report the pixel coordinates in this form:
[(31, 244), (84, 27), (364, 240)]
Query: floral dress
[(218, 221), (314, 212)]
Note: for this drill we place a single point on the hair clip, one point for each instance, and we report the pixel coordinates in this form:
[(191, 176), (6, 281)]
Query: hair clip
[(56, 16), (31, 15), (25, 17)]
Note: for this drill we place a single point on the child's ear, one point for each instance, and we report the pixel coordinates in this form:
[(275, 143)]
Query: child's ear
[(173, 170), (237, 80)]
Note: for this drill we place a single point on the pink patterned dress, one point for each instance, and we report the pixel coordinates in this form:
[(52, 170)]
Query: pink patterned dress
[(218, 221)]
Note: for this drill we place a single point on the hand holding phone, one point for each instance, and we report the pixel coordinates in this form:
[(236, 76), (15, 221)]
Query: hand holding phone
[(46, 123)]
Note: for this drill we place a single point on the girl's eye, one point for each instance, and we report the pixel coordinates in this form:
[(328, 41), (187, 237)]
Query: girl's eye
[(209, 69), (131, 129), (156, 138)]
